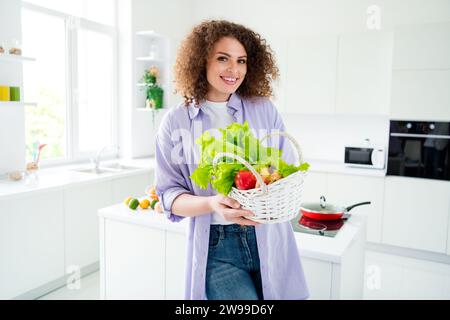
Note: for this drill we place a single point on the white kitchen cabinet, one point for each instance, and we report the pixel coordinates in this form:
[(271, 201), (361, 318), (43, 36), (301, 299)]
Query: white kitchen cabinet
[(176, 251), (390, 277), (81, 204), (416, 213), (318, 275), (424, 46), (364, 73), (134, 261), (133, 186), (31, 242), (311, 75), (421, 95), (347, 190)]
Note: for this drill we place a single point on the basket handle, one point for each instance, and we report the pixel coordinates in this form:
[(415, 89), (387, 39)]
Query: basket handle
[(245, 163), (291, 138)]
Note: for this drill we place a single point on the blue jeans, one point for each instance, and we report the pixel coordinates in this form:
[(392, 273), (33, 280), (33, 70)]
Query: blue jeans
[(232, 270)]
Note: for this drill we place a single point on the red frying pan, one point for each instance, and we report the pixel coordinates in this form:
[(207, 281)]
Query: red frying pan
[(324, 211)]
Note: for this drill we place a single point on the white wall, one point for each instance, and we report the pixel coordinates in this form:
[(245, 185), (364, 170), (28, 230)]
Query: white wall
[(12, 126)]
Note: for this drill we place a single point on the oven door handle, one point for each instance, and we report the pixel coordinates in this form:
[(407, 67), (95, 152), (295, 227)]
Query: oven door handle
[(428, 136)]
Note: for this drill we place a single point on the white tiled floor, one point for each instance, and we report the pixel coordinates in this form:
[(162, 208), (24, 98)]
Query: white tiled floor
[(89, 290)]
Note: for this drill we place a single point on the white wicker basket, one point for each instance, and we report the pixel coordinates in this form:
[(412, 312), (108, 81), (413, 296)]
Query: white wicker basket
[(274, 203)]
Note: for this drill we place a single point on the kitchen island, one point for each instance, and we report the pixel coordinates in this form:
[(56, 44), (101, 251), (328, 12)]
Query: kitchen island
[(142, 256)]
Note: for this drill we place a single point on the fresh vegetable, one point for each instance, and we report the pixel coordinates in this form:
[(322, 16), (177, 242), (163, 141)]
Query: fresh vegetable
[(134, 203), (239, 140), (244, 180), (144, 204)]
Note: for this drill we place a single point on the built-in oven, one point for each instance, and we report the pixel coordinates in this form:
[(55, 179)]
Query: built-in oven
[(419, 149)]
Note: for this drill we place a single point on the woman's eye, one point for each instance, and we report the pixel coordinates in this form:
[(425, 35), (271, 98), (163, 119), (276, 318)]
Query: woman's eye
[(242, 61), (222, 58)]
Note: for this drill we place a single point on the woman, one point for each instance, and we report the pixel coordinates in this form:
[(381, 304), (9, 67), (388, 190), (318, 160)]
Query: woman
[(224, 72)]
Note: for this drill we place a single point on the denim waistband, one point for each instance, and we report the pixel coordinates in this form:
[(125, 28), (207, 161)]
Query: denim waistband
[(232, 228)]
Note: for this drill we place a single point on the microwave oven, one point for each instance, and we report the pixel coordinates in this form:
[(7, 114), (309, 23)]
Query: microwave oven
[(365, 156)]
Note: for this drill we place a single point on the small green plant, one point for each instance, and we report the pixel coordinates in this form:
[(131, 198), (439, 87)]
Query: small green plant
[(153, 90)]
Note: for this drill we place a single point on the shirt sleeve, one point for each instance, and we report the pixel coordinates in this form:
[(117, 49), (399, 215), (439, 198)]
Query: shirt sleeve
[(169, 180), (289, 154)]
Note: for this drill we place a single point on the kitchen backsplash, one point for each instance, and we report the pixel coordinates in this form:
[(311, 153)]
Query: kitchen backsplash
[(323, 137)]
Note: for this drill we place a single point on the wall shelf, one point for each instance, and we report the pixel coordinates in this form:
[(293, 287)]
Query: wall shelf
[(15, 58)]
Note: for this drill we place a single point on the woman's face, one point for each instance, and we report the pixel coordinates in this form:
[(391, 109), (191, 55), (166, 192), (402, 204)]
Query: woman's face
[(226, 69)]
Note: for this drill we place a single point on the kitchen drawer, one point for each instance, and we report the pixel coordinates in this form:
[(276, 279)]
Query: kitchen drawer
[(416, 213)]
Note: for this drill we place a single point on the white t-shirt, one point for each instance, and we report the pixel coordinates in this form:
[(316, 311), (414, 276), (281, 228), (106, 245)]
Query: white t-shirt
[(220, 118)]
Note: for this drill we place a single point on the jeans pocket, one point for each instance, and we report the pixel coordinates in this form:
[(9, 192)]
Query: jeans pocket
[(214, 238)]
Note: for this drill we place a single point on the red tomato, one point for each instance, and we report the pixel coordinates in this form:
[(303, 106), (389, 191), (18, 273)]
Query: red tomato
[(244, 180)]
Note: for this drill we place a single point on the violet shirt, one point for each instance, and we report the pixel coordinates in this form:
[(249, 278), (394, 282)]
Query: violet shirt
[(177, 157)]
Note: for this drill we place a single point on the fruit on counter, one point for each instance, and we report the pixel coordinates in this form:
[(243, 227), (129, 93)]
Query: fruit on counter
[(127, 200), (153, 197), (133, 204), (244, 180), (144, 204), (152, 190), (153, 203)]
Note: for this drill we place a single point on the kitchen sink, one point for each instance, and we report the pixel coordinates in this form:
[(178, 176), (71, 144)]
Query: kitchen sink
[(107, 168)]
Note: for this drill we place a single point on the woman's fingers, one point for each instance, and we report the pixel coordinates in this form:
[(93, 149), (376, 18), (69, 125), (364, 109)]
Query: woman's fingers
[(245, 222), (230, 202), (234, 213)]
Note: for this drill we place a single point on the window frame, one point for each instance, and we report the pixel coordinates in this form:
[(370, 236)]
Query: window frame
[(72, 25)]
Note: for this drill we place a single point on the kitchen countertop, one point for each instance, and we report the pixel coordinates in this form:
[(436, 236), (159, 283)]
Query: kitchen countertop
[(65, 176), (311, 246)]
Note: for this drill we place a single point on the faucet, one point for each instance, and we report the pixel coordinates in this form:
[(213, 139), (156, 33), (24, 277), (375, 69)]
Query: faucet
[(96, 160)]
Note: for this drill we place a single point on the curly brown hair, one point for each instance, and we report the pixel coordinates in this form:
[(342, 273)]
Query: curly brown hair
[(192, 58)]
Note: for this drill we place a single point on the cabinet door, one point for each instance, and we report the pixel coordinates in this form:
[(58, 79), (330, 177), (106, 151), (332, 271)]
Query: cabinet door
[(311, 75), (134, 261), (422, 47), (364, 73), (81, 204), (175, 265), (416, 213), (31, 242), (318, 275), (347, 190), (421, 95), (130, 186)]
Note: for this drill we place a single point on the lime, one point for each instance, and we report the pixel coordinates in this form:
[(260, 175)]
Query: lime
[(154, 202), (133, 204)]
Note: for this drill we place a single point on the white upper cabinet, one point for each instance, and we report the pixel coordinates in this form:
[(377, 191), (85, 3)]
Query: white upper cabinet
[(422, 47), (421, 73), (421, 95), (364, 73), (416, 213), (311, 75)]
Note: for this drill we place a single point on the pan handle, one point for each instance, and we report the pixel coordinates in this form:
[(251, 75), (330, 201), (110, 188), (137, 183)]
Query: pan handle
[(357, 205)]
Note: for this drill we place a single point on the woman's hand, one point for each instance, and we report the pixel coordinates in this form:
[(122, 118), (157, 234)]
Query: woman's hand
[(230, 210)]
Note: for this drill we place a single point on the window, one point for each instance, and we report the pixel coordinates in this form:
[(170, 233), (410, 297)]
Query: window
[(73, 79)]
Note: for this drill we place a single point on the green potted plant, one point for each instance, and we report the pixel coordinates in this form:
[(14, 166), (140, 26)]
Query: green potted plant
[(154, 91)]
